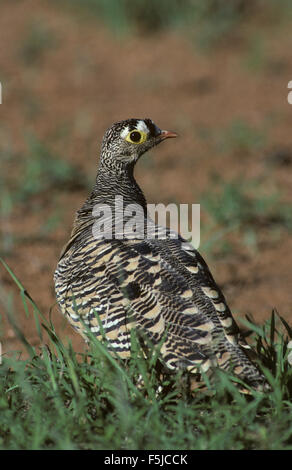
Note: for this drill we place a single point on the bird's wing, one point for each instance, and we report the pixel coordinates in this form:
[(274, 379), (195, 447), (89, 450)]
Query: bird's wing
[(205, 292)]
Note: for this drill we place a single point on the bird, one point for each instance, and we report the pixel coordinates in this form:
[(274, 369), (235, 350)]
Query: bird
[(110, 280)]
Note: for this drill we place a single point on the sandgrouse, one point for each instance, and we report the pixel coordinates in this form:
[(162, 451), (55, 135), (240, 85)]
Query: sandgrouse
[(159, 285)]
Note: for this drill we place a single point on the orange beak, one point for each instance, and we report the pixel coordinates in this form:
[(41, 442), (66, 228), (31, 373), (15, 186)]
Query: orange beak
[(167, 135)]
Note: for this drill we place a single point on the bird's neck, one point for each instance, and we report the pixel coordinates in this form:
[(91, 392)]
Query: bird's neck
[(116, 188), (122, 184)]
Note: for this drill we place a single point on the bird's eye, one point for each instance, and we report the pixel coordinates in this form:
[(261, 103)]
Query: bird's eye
[(136, 137)]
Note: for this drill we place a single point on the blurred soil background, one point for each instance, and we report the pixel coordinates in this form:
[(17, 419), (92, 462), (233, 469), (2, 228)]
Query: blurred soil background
[(215, 71)]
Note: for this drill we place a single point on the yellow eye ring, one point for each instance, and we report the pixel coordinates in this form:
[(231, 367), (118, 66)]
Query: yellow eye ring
[(136, 137)]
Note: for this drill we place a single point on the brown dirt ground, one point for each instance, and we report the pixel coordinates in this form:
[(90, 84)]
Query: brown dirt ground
[(87, 79)]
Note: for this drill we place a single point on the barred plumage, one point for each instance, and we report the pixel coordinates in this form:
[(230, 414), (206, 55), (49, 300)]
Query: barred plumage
[(154, 285)]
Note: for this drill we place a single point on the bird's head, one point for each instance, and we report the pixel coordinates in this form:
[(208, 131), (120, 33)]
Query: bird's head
[(125, 141)]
